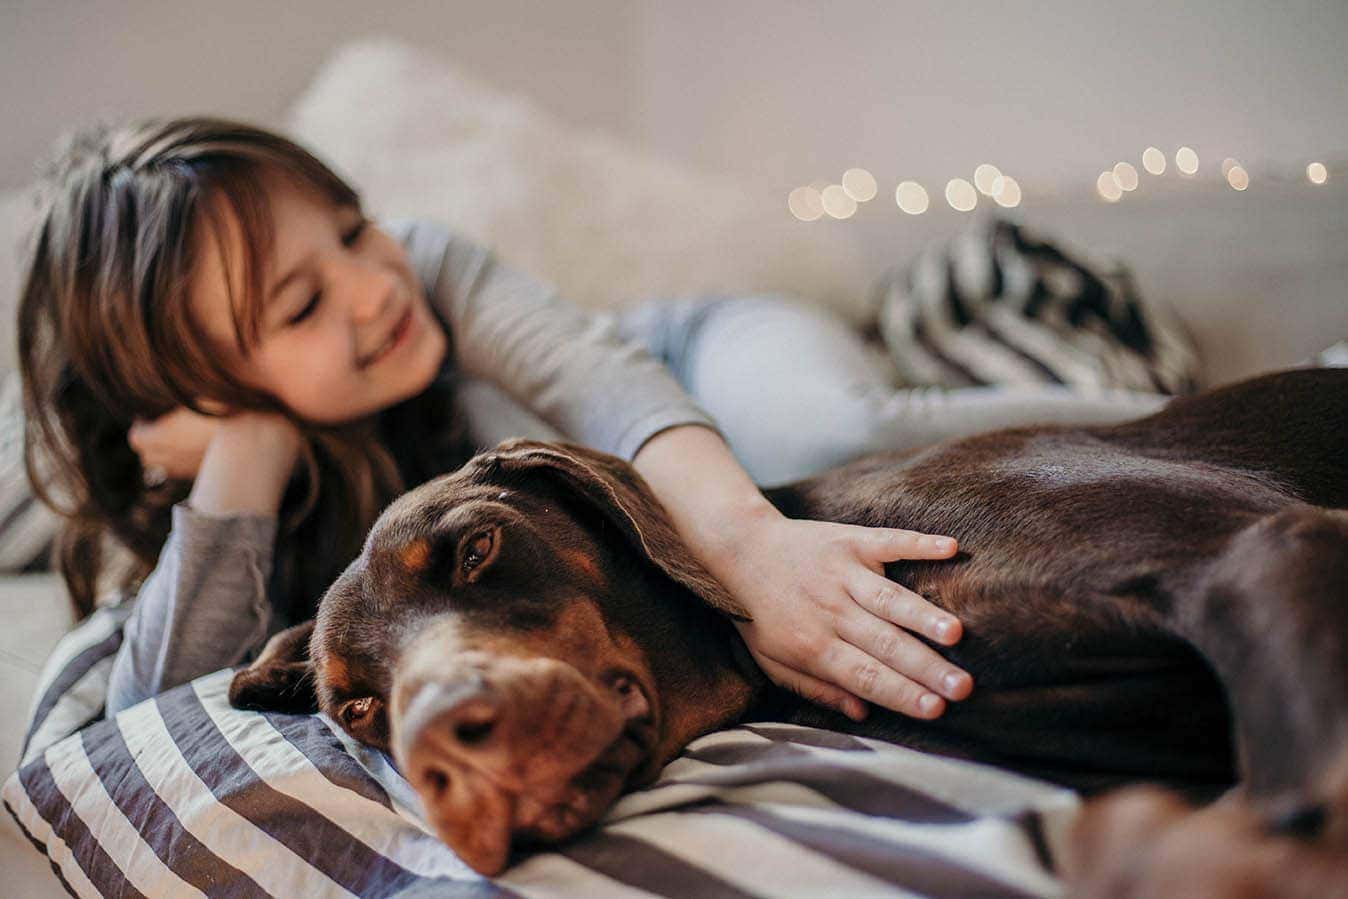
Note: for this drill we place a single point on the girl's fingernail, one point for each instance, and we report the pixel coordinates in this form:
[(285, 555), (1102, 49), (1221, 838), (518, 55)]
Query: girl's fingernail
[(929, 702), (945, 544), (951, 682)]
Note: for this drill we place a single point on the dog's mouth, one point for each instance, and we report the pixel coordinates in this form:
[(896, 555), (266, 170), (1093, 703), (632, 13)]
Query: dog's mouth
[(548, 797), (585, 798)]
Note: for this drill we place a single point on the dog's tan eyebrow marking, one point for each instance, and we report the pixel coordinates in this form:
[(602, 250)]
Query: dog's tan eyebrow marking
[(336, 675), (414, 555), (584, 564)]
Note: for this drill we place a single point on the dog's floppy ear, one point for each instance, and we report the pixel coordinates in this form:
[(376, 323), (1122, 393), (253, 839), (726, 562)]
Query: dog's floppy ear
[(281, 679), (613, 488)]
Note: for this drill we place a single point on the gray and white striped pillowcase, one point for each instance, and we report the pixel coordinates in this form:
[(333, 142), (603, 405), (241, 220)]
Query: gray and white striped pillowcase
[(1001, 306), (184, 795)]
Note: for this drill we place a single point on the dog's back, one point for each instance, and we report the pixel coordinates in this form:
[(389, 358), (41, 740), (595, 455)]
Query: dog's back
[(1075, 544)]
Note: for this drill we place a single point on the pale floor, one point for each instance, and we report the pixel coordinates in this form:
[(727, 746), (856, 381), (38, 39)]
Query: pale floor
[(33, 616)]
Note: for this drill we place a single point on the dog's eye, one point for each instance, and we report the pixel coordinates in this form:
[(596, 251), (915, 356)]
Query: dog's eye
[(357, 710), (478, 549)]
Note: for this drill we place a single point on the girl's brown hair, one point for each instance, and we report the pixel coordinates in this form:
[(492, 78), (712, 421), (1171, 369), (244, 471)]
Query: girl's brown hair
[(106, 337)]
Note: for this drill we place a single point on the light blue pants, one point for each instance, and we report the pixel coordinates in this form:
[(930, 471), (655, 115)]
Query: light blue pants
[(795, 390)]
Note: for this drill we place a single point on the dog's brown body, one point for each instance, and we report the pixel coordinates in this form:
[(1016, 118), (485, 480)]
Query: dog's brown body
[(529, 637)]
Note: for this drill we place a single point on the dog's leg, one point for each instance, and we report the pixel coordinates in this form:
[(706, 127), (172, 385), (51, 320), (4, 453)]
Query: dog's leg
[(1272, 618)]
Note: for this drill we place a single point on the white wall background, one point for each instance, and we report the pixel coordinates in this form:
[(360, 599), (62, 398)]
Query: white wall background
[(791, 91), (779, 91), (785, 92), (65, 61)]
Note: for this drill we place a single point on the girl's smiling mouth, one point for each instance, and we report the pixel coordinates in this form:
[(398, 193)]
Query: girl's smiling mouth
[(396, 339)]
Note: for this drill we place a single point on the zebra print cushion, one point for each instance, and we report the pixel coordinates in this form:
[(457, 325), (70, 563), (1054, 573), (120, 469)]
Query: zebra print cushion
[(1001, 306), (183, 795)]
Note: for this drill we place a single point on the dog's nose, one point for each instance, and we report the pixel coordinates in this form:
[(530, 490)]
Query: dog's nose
[(445, 724)]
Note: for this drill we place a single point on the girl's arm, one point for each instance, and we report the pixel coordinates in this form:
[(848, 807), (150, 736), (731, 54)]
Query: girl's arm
[(824, 614), (568, 366), (205, 605), (822, 607)]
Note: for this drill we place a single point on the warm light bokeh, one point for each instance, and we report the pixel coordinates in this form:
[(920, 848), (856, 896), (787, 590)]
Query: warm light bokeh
[(1125, 175), (859, 184), (985, 177), (912, 197), (1108, 187), (837, 203), (805, 204), (1009, 193), (961, 195)]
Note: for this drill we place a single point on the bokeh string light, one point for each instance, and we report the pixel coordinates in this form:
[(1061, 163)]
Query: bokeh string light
[(823, 199)]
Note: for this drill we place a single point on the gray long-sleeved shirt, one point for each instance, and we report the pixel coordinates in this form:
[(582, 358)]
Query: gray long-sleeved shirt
[(205, 605)]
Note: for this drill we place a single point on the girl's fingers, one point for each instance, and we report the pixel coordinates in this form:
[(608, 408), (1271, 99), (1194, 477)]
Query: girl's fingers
[(904, 655), (871, 679), (895, 603), (813, 689), (893, 544)]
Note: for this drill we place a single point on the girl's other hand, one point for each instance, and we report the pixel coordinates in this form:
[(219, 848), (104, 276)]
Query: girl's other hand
[(830, 626), (174, 443)]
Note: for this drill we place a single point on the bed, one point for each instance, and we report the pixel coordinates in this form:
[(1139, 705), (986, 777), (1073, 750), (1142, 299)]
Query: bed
[(183, 795)]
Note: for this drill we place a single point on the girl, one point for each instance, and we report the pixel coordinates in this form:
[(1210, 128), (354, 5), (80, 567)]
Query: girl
[(228, 370)]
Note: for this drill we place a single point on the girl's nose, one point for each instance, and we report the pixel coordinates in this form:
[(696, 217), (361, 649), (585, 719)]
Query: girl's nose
[(371, 290)]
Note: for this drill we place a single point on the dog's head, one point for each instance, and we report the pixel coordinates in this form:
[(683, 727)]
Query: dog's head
[(507, 634)]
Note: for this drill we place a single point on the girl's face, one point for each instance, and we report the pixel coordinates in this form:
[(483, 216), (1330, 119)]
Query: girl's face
[(345, 329)]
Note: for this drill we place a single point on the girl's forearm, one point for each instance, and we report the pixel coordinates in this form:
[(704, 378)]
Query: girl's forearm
[(246, 466), (710, 498)]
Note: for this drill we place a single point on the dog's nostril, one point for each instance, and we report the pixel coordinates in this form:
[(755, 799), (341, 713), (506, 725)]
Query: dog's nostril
[(436, 780), (470, 733)]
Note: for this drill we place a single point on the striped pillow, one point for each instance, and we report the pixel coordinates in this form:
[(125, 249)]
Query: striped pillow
[(1000, 306), (183, 795)]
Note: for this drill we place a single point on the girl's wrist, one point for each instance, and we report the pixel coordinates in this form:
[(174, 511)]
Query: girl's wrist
[(247, 465), (712, 502)]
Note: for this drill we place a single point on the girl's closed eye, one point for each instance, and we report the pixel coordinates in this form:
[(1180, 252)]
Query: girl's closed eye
[(349, 239)]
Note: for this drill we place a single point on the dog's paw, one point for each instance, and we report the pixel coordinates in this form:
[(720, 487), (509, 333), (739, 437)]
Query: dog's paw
[(1145, 842)]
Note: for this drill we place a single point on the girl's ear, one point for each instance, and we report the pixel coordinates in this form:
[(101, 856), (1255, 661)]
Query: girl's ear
[(281, 679)]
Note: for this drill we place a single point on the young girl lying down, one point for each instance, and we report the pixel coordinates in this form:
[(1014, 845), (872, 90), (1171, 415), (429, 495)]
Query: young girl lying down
[(230, 370)]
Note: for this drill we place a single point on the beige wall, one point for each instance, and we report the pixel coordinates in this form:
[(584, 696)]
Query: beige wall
[(779, 91), (783, 92), (1056, 90), (65, 61)]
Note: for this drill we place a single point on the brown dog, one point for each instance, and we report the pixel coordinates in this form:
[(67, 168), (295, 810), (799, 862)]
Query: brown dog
[(529, 637)]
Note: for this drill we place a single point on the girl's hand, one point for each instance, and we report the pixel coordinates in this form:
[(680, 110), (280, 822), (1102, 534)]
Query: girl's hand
[(830, 626), (174, 443), (827, 623)]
